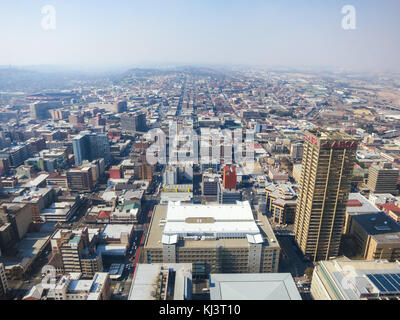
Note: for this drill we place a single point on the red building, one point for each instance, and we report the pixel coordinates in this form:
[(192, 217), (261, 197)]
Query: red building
[(391, 210), (229, 177), (115, 172), (114, 134)]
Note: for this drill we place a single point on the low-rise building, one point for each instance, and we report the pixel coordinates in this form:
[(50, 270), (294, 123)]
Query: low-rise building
[(376, 236), (281, 200), (253, 286), (60, 211), (162, 281), (357, 204), (72, 287), (38, 199), (345, 279)]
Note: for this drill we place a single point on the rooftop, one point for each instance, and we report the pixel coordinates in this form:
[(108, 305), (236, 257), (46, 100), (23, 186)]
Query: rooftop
[(381, 227), (363, 279), (114, 231), (146, 277), (155, 234), (253, 286), (357, 204), (184, 219)]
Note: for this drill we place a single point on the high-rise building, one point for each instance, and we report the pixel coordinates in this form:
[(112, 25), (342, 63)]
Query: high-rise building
[(75, 118), (91, 146), (133, 122), (81, 150), (229, 177), (383, 178), (120, 106), (58, 114), (327, 167), (16, 155), (141, 122), (80, 179), (78, 251), (145, 170), (170, 175), (296, 151), (40, 110)]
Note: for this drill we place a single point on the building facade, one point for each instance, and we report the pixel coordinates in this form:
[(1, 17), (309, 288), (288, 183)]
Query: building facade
[(91, 146), (345, 279), (326, 174), (215, 238), (3, 283), (383, 178)]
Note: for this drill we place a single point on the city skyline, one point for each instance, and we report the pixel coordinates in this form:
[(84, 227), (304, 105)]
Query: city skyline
[(199, 151)]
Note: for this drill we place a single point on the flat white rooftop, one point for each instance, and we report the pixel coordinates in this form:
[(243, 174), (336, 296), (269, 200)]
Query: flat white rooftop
[(221, 219), (146, 277), (358, 204), (253, 286), (114, 231)]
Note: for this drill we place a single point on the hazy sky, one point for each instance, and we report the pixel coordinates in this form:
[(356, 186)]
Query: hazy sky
[(290, 33)]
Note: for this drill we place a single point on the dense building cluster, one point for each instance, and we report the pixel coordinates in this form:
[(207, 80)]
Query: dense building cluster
[(284, 179)]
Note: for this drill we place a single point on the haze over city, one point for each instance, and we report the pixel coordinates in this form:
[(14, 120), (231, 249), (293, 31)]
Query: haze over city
[(288, 33), (206, 152)]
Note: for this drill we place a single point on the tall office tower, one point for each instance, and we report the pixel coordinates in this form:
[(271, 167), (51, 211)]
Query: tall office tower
[(40, 110), (75, 118), (383, 178), (296, 151), (120, 106), (326, 174), (58, 114), (133, 122), (145, 170), (229, 177), (99, 148), (3, 283), (91, 146), (128, 123), (170, 175), (16, 155), (80, 179), (140, 122), (81, 148)]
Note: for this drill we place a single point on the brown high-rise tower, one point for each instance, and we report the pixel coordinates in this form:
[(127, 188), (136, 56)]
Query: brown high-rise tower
[(326, 173)]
